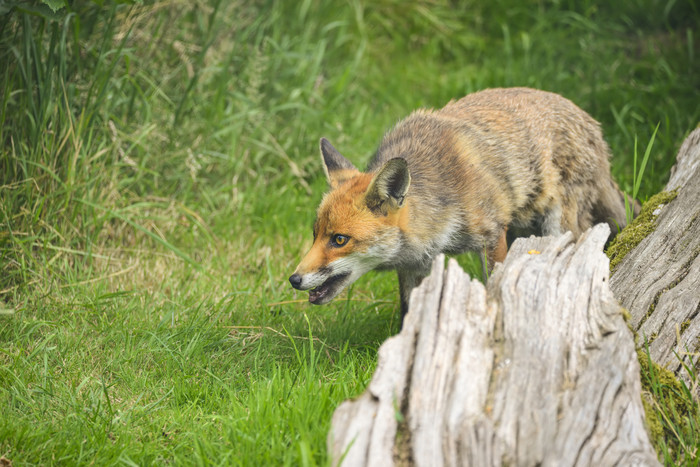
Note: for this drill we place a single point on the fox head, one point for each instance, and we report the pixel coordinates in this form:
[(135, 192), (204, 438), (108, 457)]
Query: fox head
[(358, 225)]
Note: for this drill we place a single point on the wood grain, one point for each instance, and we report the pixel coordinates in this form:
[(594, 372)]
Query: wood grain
[(659, 280), (537, 369)]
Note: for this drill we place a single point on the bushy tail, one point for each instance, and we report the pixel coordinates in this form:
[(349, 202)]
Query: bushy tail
[(610, 208)]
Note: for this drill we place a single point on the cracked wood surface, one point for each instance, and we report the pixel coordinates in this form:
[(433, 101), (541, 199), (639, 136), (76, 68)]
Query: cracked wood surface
[(537, 369), (659, 280)]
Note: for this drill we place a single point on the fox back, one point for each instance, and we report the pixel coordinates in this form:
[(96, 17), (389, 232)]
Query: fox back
[(491, 166)]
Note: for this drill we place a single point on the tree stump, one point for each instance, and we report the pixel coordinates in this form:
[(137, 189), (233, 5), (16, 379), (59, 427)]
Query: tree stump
[(539, 368), (659, 280)]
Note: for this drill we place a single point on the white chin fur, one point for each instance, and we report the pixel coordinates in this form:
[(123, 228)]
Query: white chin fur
[(353, 265)]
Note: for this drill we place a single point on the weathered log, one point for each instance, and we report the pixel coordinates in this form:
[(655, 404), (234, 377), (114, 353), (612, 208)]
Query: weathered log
[(659, 280), (687, 162), (537, 369)]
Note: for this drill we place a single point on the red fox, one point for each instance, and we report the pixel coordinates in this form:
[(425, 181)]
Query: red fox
[(515, 160)]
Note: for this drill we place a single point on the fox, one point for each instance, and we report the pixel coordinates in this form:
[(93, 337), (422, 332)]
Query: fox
[(485, 169)]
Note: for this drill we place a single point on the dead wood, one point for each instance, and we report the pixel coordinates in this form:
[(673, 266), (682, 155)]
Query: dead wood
[(659, 280), (537, 369)]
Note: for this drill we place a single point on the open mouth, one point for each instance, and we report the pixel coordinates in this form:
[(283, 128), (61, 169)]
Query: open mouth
[(325, 292)]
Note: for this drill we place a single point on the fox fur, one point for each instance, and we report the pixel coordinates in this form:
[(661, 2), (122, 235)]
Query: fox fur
[(494, 165)]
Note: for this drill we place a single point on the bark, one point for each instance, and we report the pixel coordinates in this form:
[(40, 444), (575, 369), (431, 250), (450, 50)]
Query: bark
[(659, 280), (539, 368)]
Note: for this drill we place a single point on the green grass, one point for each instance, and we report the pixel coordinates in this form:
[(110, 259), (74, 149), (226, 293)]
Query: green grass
[(159, 174), (638, 176)]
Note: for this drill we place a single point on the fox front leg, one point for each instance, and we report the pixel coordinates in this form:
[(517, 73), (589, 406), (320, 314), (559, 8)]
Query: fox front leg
[(408, 280), (490, 256)]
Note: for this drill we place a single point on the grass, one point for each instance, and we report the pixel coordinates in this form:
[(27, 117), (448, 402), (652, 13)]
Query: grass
[(158, 178), (638, 176)]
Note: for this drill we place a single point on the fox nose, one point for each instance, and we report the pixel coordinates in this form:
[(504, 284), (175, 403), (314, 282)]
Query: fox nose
[(295, 280)]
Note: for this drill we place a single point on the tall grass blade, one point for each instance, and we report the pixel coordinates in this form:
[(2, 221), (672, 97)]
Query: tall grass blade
[(638, 175), (642, 167)]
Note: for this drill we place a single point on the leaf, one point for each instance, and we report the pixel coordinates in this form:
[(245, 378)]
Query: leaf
[(44, 10), (55, 5)]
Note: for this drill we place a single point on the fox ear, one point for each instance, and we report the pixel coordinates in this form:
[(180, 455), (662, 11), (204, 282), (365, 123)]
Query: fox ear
[(337, 168), (389, 187)]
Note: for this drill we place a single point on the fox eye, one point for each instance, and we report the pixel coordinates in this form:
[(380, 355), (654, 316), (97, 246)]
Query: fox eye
[(339, 240)]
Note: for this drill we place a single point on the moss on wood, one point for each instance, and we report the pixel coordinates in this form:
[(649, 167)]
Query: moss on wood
[(663, 396), (642, 226)]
